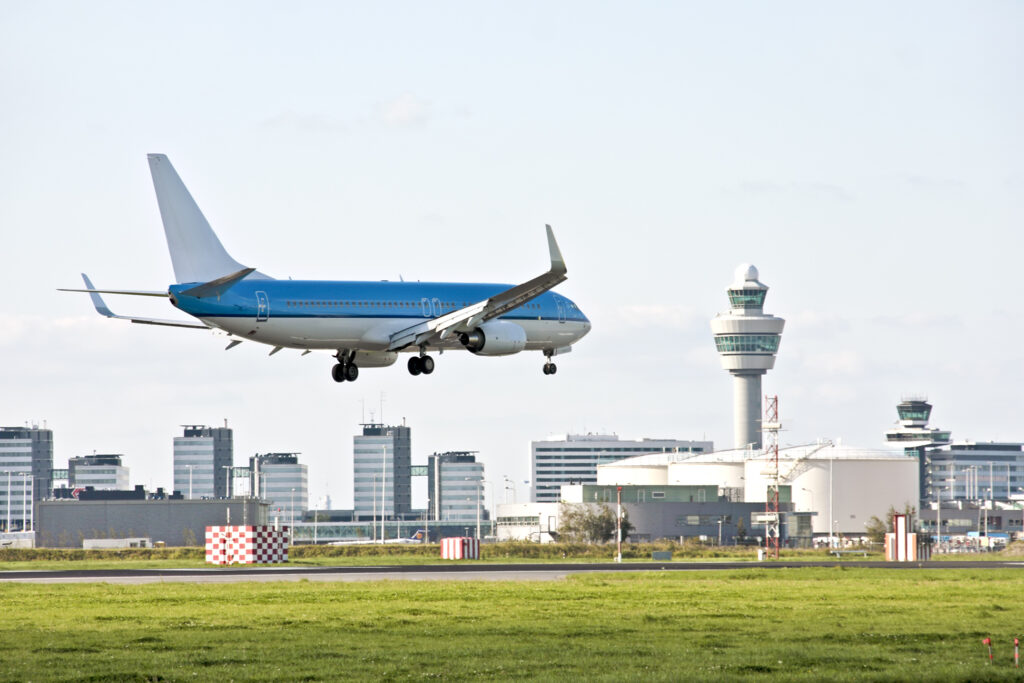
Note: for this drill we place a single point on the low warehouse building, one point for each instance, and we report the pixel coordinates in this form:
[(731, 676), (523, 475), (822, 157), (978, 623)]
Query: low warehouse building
[(67, 523)]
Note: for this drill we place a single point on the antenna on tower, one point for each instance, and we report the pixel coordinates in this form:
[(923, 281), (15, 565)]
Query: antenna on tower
[(382, 407), (771, 427)]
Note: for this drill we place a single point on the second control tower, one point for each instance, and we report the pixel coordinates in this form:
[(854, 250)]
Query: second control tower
[(747, 340)]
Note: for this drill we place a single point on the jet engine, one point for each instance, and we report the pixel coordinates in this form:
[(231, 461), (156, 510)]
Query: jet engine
[(495, 338)]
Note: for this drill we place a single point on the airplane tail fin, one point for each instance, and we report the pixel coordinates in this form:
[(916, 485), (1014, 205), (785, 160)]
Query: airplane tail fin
[(196, 253)]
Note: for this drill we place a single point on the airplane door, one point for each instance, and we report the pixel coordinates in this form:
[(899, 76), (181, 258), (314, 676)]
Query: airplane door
[(262, 307), (561, 311)]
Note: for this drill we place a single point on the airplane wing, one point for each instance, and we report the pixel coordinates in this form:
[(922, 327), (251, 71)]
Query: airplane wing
[(103, 309), (467, 318)]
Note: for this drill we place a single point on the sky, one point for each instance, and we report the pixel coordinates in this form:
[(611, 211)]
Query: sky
[(866, 157)]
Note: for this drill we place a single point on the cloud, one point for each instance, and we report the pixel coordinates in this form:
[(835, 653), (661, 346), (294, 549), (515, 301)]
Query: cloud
[(405, 111)]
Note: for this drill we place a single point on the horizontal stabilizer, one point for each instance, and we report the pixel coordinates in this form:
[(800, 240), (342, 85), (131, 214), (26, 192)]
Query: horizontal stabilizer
[(218, 286), (104, 310)]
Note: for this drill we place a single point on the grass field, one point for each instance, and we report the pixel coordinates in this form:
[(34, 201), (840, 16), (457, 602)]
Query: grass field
[(805, 624)]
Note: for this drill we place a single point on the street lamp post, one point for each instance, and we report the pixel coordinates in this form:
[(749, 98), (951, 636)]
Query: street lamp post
[(189, 480), (719, 531), (494, 505), (8, 527), (24, 499), (291, 515), (227, 480)]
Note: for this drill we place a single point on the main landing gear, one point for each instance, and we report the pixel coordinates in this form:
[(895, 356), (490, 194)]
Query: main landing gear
[(345, 370), (421, 365)]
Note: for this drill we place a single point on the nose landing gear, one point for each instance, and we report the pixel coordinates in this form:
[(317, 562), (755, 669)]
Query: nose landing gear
[(549, 367)]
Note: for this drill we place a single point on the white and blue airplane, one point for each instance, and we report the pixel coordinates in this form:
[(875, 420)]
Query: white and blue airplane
[(364, 324)]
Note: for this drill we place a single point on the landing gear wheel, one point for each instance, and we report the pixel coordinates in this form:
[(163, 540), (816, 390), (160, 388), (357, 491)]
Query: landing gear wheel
[(550, 368), (427, 364), (414, 366), (351, 372), (338, 373)]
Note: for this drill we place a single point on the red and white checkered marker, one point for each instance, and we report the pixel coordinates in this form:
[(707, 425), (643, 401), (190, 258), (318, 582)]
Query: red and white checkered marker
[(246, 544), (460, 548), (1016, 653), (988, 642)]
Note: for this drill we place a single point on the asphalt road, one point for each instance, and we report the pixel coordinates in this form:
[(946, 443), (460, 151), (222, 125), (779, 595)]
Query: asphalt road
[(439, 572)]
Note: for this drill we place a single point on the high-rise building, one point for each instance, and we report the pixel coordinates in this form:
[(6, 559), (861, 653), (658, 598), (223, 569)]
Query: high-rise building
[(279, 479), (102, 472), (573, 459), (382, 474), (455, 486), (26, 467), (203, 457), (747, 340)]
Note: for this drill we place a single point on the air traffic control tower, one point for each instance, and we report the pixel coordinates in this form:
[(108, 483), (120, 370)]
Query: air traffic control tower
[(747, 340)]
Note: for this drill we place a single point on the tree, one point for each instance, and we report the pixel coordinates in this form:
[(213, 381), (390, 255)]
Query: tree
[(741, 530), (876, 529), (580, 523)]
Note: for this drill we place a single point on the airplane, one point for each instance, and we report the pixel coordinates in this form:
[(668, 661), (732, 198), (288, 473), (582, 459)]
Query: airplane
[(364, 324)]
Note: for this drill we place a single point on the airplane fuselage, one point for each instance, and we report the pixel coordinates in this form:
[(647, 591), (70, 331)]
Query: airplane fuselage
[(317, 314)]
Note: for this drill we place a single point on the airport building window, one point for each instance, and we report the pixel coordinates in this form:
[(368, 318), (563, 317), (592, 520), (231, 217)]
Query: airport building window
[(747, 298), (747, 343)]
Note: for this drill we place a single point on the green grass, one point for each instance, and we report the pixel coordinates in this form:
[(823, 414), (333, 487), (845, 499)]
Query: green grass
[(844, 623), (376, 555)]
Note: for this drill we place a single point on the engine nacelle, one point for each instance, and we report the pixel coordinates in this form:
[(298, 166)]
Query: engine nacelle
[(495, 338), (375, 359)]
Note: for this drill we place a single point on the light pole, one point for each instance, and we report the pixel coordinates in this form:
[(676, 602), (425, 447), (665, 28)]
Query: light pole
[(227, 480), (494, 505), (24, 499), (509, 485), (8, 527), (189, 480), (291, 515), (719, 531), (383, 486), (830, 506), (479, 482)]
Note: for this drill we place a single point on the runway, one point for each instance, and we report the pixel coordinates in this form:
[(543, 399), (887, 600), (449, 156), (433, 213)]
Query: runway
[(442, 572)]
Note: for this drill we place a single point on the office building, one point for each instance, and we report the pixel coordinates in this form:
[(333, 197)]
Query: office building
[(202, 460), (102, 472), (573, 459), (283, 482), (26, 467), (747, 340), (455, 486), (382, 471)]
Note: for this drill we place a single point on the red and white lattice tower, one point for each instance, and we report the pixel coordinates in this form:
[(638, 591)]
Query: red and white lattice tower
[(771, 427)]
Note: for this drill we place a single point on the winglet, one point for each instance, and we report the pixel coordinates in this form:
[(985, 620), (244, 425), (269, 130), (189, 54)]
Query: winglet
[(557, 262), (97, 300)]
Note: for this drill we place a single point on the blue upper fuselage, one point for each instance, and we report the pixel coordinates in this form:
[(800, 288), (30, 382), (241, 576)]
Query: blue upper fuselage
[(340, 299)]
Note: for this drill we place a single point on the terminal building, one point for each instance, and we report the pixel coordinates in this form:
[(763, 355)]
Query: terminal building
[(574, 459), (956, 471)]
